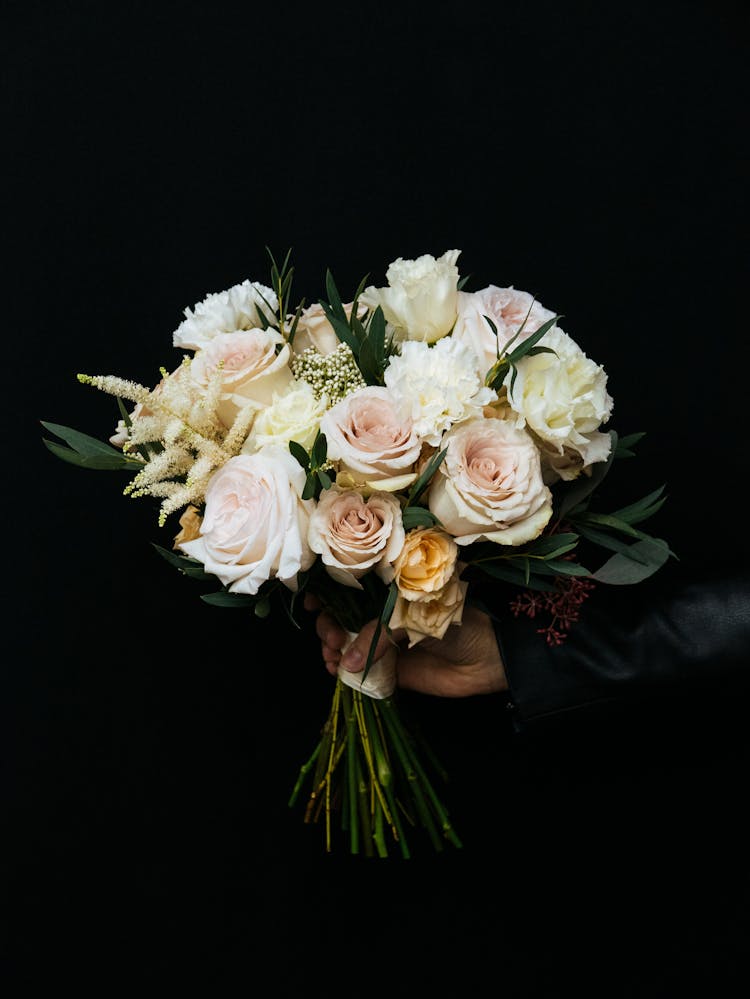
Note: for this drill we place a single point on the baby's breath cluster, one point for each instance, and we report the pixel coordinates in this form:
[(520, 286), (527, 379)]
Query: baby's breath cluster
[(335, 375)]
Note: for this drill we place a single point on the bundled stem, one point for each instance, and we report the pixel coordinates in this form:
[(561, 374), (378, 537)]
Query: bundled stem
[(367, 770)]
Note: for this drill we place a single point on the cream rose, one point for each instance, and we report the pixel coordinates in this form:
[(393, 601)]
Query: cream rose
[(420, 302), (490, 484), (431, 618), (562, 398), (251, 369), (292, 416), (370, 438), (353, 535), (255, 523), (226, 312), (507, 308)]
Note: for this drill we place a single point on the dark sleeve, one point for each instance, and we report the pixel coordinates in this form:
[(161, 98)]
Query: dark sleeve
[(681, 631)]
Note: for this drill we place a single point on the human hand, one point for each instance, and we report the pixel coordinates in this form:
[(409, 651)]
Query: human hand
[(465, 662)]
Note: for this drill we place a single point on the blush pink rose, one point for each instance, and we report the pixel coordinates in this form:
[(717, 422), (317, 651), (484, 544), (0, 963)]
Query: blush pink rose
[(507, 308), (251, 369), (490, 484), (370, 437), (353, 535)]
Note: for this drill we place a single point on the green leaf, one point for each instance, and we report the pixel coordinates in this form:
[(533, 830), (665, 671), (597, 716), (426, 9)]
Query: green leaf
[(608, 541), (319, 451), (531, 341), (568, 496), (87, 452), (222, 598), (553, 544), (421, 483), (189, 566), (262, 607), (607, 520), (560, 567), (311, 486), (511, 574), (300, 454), (417, 516), (643, 508), (645, 557), (324, 478)]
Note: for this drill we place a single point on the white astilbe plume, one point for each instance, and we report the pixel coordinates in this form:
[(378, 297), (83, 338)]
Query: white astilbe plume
[(176, 429), (241, 427)]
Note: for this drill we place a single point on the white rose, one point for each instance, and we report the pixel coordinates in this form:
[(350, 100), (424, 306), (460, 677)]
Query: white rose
[(251, 369), (226, 312), (255, 523), (420, 301), (508, 309), (490, 484), (562, 398), (370, 438), (293, 415), (354, 535), (439, 385)]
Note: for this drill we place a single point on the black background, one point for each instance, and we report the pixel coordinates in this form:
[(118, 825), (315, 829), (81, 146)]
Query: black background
[(593, 154)]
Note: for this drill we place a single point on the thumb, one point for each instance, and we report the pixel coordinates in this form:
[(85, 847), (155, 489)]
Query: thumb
[(355, 656)]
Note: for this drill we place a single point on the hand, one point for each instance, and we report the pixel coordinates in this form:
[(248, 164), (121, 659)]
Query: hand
[(465, 662)]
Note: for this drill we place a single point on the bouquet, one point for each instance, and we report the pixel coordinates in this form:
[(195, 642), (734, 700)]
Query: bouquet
[(382, 453)]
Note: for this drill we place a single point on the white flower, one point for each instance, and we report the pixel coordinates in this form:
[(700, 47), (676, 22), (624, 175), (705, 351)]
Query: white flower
[(294, 415), (509, 310), (439, 385), (562, 398), (255, 522), (226, 312), (421, 298)]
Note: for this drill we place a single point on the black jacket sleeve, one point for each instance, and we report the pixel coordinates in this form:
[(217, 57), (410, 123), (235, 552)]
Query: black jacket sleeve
[(681, 631)]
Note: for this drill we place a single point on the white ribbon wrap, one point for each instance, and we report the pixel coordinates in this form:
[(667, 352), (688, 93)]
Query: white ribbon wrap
[(380, 681)]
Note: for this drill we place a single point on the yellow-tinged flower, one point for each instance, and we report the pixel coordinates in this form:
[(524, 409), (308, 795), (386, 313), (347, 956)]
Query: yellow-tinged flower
[(190, 524)]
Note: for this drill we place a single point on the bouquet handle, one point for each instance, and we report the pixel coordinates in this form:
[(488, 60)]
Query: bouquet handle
[(380, 681)]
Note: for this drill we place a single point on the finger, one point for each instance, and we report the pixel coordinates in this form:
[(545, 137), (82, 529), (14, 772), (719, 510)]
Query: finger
[(355, 657)]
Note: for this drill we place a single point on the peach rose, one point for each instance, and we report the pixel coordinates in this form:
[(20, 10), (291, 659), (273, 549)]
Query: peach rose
[(354, 535), (425, 564), (190, 526), (431, 618)]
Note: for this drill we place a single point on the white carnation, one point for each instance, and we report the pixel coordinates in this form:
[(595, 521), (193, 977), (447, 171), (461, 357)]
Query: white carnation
[(226, 312), (437, 385)]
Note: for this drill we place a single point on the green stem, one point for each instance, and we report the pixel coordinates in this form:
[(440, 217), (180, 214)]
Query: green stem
[(391, 716)]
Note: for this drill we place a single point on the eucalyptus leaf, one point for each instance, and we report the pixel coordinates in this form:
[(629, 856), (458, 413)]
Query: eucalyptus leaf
[(90, 447), (190, 566), (609, 541), (623, 569), (569, 495), (103, 462), (222, 598)]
